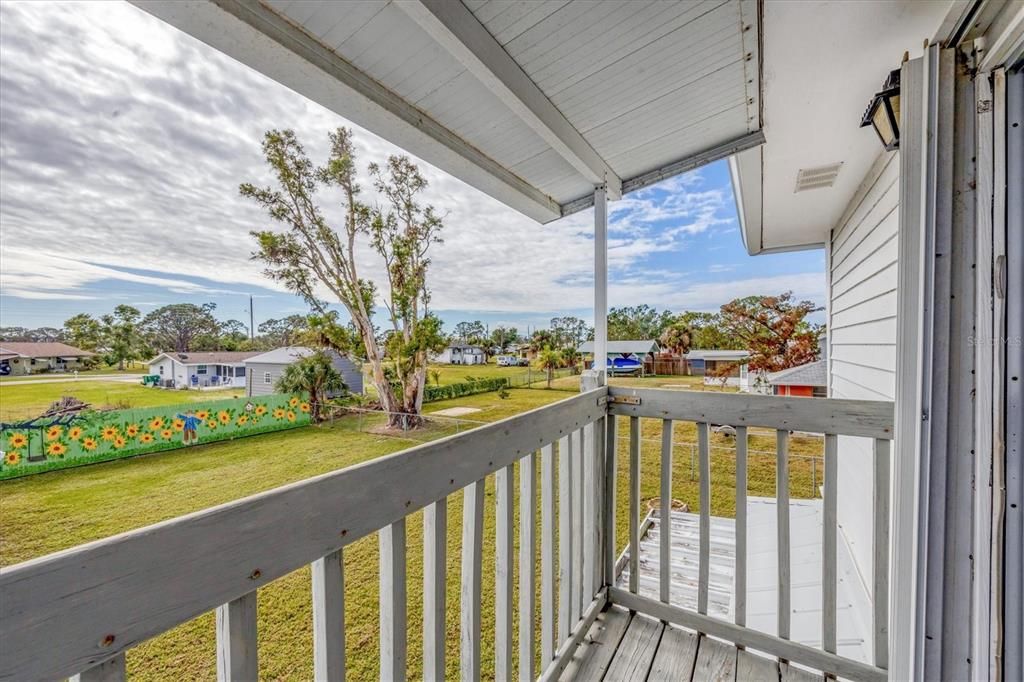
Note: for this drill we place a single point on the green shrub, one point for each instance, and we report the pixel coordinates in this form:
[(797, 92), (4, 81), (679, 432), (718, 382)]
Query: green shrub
[(449, 391)]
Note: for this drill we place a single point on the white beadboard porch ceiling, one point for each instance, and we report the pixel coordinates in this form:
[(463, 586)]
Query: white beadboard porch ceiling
[(531, 102)]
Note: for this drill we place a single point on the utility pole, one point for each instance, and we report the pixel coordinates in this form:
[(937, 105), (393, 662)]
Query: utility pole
[(252, 321)]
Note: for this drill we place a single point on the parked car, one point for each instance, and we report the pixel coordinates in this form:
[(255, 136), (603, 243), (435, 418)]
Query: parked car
[(507, 361)]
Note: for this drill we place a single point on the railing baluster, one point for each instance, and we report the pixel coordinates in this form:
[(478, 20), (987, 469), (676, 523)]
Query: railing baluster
[(108, 671), (392, 602), (597, 481), (665, 522), (880, 554), (503, 574), (236, 640), (472, 539), (610, 477), (527, 549), (565, 619), (329, 617), (782, 520), (829, 577), (634, 505), (435, 555), (589, 521), (704, 570), (741, 525), (577, 524), (547, 555)]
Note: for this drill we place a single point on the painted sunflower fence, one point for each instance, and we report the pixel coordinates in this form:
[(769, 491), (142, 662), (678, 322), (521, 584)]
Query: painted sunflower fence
[(101, 436)]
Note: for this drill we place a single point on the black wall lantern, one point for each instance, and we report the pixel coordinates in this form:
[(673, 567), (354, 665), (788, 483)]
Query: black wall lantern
[(883, 114)]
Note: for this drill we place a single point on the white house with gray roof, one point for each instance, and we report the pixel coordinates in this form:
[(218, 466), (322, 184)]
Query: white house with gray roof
[(204, 370)]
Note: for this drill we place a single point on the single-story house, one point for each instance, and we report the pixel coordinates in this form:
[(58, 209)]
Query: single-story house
[(623, 353), (706, 363), (263, 370), (461, 355), (31, 357), (203, 370), (809, 380)]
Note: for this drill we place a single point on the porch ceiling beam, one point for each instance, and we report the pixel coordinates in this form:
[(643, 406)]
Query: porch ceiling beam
[(687, 163), (458, 30), (259, 37)]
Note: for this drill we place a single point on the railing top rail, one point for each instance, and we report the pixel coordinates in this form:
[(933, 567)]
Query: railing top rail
[(868, 418), (104, 597)]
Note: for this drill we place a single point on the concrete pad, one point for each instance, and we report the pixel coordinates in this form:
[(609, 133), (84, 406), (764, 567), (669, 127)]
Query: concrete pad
[(456, 411)]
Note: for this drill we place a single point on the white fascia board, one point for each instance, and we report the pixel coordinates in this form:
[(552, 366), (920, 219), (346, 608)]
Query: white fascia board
[(747, 189), (461, 34), (255, 35), (677, 167)]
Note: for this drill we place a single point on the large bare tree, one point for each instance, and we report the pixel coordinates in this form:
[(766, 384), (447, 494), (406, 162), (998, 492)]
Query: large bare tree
[(309, 255)]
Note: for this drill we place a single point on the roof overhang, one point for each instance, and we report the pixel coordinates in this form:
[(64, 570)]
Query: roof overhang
[(812, 109), (535, 104)]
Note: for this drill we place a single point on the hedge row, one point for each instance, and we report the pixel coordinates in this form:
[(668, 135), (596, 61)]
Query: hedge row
[(449, 391)]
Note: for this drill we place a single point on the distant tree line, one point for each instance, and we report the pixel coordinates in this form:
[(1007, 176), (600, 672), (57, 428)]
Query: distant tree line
[(774, 329), (126, 335)]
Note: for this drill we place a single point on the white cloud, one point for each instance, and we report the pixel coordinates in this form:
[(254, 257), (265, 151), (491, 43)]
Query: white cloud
[(123, 144)]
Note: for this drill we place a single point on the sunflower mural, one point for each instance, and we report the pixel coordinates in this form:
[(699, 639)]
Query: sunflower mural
[(17, 441), (104, 435)]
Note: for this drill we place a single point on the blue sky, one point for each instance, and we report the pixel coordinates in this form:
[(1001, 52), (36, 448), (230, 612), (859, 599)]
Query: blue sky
[(123, 150)]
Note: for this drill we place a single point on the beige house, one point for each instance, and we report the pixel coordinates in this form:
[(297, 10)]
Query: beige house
[(18, 358)]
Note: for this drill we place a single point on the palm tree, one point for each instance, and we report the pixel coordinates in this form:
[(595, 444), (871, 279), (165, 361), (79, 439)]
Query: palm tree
[(550, 360), (571, 358), (313, 374), (677, 338)]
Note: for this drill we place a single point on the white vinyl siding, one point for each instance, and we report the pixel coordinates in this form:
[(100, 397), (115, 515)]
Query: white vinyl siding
[(862, 274)]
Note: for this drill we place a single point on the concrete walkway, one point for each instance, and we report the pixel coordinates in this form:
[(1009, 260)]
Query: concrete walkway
[(51, 379)]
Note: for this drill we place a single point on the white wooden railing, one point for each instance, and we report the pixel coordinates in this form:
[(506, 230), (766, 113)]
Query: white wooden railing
[(832, 417), (81, 609), (77, 612)]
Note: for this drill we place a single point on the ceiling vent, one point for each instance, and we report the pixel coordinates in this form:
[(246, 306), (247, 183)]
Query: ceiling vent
[(817, 178)]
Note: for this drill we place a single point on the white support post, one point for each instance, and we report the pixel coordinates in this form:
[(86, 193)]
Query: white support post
[(600, 281)]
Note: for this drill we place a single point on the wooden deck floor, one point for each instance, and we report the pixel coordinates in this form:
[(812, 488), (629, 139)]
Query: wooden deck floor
[(623, 647)]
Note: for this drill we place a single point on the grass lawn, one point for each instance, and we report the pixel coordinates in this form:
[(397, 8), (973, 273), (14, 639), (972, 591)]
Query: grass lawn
[(57, 510), (453, 374), (680, 383), (26, 400)]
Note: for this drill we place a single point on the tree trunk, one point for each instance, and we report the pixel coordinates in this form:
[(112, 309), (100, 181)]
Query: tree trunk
[(314, 406)]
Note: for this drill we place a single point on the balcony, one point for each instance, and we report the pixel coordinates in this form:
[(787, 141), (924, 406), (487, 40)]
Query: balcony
[(77, 612)]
